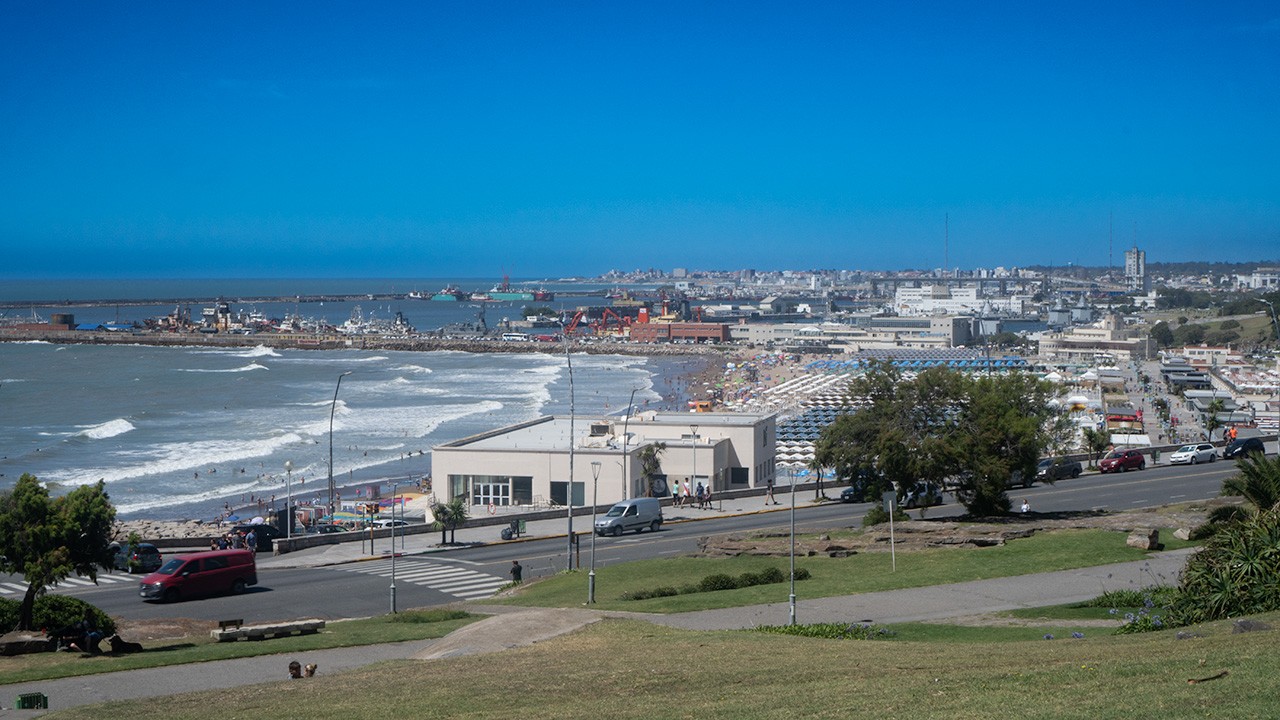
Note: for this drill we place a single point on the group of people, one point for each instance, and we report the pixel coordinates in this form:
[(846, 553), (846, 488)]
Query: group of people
[(298, 670), (236, 541), (700, 497)]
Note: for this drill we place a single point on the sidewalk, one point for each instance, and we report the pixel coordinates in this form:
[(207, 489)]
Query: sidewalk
[(513, 626)]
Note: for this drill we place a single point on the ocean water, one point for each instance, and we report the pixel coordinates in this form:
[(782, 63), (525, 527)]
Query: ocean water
[(176, 432)]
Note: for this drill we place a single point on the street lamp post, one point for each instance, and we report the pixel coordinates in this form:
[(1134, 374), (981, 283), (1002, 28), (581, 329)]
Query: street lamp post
[(568, 500), (626, 479), (792, 472), (288, 500), (394, 487), (333, 408), (694, 430), (591, 576)]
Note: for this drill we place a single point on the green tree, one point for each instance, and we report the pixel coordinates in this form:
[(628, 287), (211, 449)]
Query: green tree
[(1007, 422), (1162, 334), (1189, 335), (1258, 482), (449, 516), (650, 457), (901, 434), (1095, 441), (46, 540), (1211, 421), (940, 425)]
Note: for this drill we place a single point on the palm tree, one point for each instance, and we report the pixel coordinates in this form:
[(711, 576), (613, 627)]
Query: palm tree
[(650, 464), (1095, 441), (1211, 421)]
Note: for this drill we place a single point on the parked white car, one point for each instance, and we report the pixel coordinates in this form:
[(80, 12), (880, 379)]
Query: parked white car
[(1192, 454)]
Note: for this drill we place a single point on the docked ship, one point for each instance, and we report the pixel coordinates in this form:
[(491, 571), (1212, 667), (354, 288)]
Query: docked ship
[(450, 294), (504, 292)]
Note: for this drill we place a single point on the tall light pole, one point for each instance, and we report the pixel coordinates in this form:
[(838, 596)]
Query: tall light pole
[(626, 479), (332, 408), (792, 473), (568, 500), (1275, 323), (591, 576), (394, 487), (288, 501), (694, 429)]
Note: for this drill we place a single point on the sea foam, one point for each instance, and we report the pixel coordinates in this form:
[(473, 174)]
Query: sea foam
[(110, 428)]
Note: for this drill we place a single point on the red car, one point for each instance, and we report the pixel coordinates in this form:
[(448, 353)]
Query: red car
[(1122, 461)]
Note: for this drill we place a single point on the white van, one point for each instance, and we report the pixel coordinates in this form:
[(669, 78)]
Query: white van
[(635, 514)]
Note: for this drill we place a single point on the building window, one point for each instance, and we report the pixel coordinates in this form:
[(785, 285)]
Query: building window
[(558, 493), (496, 489)]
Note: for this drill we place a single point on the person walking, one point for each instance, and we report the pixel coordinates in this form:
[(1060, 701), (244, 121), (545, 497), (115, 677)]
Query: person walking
[(768, 493), (1026, 506), (517, 572)]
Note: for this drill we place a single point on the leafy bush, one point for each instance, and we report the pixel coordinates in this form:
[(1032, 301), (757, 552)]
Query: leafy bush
[(429, 616), (54, 611), (719, 581), (1236, 573), (877, 516), (651, 593), (831, 631)]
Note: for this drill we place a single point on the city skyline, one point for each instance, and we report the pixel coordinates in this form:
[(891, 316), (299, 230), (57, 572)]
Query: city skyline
[(558, 139)]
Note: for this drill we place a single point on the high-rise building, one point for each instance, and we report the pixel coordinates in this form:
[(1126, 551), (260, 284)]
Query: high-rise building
[(1135, 270)]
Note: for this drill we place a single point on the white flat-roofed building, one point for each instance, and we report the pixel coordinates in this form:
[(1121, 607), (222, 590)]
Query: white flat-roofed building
[(529, 464)]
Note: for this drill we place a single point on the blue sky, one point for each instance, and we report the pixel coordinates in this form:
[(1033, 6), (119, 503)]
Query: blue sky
[(540, 139)]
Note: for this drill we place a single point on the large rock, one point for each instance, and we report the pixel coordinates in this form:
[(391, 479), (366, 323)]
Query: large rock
[(21, 643), (1144, 539), (1182, 533)]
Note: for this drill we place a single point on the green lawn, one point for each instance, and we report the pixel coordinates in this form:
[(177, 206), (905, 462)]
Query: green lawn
[(865, 572), (622, 669), (412, 625)]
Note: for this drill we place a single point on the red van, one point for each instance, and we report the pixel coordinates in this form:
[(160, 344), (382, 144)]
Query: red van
[(203, 573)]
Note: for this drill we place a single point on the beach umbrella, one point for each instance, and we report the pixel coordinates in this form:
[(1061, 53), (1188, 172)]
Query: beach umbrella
[(257, 520)]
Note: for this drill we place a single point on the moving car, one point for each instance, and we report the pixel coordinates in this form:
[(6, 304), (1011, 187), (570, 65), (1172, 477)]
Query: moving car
[(1122, 461), (203, 573), (1242, 447), (330, 528), (1057, 469), (635, 514), (1192, 454), (144, 558)]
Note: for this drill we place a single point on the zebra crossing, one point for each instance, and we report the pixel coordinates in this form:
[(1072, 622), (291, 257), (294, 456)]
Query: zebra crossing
[(72, 583), (454, 580)]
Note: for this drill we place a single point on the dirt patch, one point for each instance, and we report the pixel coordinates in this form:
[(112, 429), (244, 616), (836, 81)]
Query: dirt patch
[(954, 533), (162, 628)]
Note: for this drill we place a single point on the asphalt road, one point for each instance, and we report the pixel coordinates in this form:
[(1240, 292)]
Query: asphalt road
[(363, 589)]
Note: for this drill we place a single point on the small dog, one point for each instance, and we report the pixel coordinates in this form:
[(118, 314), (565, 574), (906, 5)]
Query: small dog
[(120, 645), (310, 670)]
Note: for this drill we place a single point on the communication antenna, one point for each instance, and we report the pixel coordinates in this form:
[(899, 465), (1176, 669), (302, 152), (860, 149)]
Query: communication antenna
[(946, 242)]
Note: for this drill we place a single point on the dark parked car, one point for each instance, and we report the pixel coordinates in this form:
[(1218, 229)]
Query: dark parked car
[(1051, 469), (330, 528), (266, 534), (144, 558), (1122, 461), (1242, 447)]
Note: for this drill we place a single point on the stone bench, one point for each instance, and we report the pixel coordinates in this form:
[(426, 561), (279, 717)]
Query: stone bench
[(263, 632)]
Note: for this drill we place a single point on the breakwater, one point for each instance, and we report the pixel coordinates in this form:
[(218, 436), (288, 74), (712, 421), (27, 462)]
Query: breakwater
[(415, 343)]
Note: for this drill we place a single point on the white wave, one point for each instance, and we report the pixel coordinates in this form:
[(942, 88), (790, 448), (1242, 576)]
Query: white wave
[(375, 358), (111, 428), (418, 369), (179, 457), (259, 351), (246, 368)]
